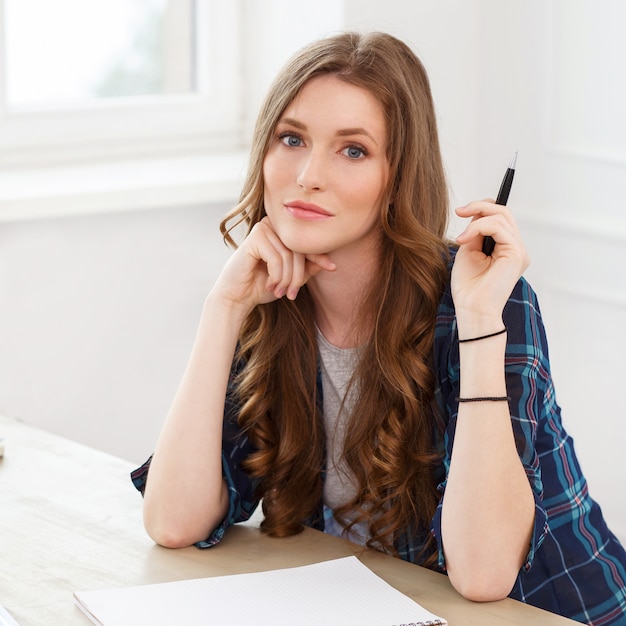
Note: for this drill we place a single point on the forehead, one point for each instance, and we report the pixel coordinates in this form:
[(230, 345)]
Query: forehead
[(331, 102)]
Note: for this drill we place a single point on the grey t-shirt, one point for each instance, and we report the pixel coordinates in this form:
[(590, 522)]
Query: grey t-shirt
[(337, 367)]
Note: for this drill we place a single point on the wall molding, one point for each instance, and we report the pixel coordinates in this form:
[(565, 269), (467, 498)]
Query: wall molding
[(582, 129), (105, 187)]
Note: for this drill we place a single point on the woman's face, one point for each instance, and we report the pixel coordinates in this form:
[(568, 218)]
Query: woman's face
[(326, 169)]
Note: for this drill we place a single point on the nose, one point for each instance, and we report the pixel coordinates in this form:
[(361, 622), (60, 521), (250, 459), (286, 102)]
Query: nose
[(311, 176)]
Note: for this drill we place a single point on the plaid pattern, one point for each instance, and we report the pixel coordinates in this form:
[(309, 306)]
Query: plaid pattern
[(575, 566)]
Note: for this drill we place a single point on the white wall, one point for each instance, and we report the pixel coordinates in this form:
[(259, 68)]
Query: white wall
[(562, 104), (544, 77), (97, 316), (276, 29), (97, 313)]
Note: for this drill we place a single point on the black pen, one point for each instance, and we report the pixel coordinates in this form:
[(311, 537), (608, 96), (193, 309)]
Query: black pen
[(503, 196)]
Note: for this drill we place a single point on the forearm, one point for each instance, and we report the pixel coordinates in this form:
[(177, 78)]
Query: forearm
[(488, 508), (185, 496)]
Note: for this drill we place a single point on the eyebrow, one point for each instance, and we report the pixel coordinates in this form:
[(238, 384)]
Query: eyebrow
[(342, 132)]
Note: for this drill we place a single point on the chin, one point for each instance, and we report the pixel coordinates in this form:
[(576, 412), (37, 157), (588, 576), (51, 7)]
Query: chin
[(303, 245), (308, 250)]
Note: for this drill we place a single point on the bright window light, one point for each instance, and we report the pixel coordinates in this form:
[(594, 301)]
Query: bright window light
[(69, 52), (104, 79)]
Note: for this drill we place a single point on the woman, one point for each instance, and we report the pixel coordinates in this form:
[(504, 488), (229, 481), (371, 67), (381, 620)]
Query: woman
[(362, 377)]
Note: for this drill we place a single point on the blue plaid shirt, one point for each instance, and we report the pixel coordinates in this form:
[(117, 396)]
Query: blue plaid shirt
[(575, 566)]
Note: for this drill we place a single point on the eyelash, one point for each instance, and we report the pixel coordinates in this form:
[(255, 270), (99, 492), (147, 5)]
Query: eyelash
[(286, 136), (361, 149), (289, 135)]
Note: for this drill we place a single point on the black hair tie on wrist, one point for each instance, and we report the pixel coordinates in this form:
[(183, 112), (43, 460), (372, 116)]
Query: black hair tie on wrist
[(500, 332), (485, 399)]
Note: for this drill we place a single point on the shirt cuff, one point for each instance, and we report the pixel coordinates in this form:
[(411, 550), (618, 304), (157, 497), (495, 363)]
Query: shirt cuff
[(238, 511), (140, 476)]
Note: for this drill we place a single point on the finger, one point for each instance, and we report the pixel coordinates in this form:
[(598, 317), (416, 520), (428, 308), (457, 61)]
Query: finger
[(287, 271), (323, 261), (495, 226), (483, 208), (267, 270), (311, 266), (279, 260), (480, 209), (298, 275), (319, 263)]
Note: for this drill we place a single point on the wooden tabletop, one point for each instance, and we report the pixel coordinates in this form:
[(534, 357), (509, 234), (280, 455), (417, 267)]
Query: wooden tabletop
[(70, 520)]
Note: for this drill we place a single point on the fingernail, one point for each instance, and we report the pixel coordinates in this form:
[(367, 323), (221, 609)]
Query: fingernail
[(280, 292), (292, 294)]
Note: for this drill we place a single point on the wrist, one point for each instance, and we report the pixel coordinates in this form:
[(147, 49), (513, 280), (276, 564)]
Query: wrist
[(497, 333), (476, 325), (482, 366), (218, 306)]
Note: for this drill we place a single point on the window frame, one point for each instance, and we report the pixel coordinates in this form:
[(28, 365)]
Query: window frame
[(162, 125)]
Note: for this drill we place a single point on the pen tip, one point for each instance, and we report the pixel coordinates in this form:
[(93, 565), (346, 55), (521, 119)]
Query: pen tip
[(513, 161)]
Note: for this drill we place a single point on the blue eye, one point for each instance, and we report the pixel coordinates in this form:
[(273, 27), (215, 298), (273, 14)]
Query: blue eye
[(290, 139), (355, 152)]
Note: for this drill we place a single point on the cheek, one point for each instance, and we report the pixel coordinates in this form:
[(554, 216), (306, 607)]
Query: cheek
[(266, 173), (372, 189), (274, 175), (273, 187)]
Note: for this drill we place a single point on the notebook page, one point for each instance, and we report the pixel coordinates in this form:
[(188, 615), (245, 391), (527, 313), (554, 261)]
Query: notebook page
[(341, 592)]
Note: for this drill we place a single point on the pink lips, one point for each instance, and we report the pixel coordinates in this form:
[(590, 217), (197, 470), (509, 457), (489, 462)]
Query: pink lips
[(307, 211)]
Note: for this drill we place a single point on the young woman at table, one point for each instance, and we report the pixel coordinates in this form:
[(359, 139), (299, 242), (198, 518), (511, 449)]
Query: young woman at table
[(364, 377)]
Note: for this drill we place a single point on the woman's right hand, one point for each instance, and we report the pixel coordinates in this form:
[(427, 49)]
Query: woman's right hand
[(262, 269)]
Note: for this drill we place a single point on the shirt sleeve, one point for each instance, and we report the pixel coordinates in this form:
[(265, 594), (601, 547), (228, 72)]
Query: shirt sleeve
[(529, 385), (236, 447)]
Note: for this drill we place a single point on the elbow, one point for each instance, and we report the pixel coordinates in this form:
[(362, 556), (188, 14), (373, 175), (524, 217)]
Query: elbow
[(483, 585), (177, 526), (167, 539), (170, 532), (483, 573)]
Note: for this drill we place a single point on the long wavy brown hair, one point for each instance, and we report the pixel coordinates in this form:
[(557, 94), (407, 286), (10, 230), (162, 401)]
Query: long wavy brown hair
[(390, 442)]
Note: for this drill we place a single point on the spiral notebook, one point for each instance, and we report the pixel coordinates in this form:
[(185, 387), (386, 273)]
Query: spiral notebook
[(341, 592)]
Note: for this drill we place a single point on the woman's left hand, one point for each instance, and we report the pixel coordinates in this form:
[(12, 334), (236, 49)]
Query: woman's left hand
[(481, 285)]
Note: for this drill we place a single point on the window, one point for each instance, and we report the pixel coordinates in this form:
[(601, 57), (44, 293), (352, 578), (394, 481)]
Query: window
[(114, 105), (109, 78)]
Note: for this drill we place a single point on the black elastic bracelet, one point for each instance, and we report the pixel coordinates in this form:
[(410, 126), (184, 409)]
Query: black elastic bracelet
[(500, 332), (486, 399)]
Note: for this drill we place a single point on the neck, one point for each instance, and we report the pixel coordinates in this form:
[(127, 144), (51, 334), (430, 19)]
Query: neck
[(339, 297)]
